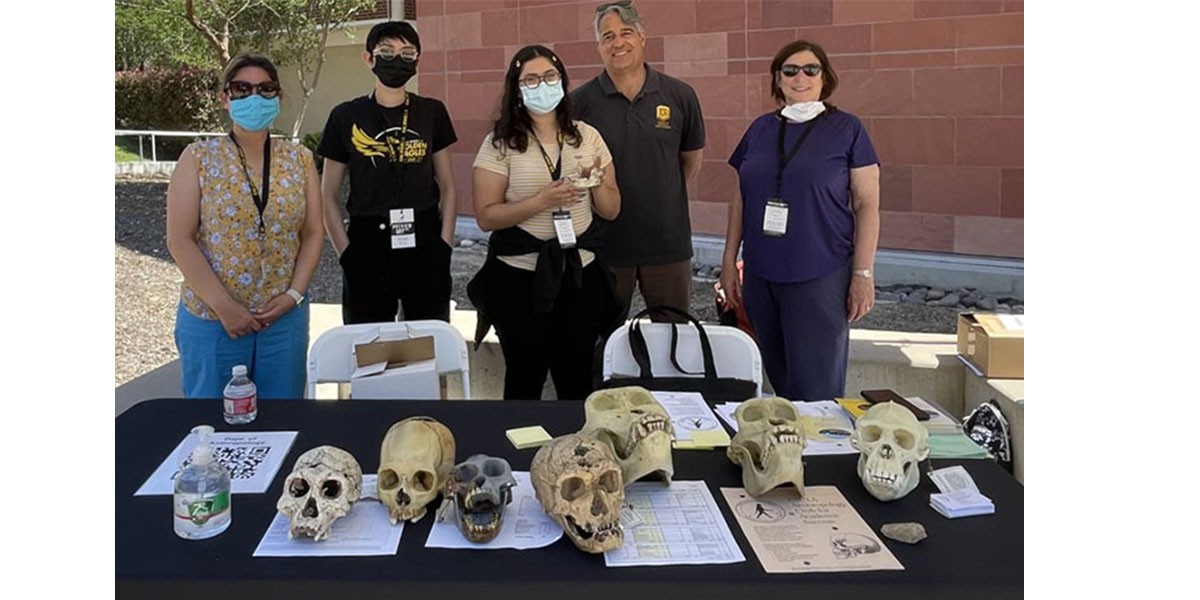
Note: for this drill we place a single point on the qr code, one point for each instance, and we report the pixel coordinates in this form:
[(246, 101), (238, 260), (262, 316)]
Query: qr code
[(241, 462)]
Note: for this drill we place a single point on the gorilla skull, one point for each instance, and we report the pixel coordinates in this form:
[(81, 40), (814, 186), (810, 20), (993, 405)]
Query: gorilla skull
[(321, 488), (414, 465), (769, 445), (481, 487), (635, 426), (578, 482), (891, 444)]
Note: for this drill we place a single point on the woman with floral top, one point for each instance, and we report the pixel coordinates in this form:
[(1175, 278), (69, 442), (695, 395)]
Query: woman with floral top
[(244, 226)]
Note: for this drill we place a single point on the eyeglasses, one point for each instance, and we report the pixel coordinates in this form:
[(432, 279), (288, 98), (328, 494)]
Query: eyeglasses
[(407, 54), (790, 70), (626, 4), (241, 89), (533, 81)]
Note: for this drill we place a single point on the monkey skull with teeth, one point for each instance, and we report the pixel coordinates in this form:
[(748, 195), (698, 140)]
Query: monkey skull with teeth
[(578, 482), (321, 489), (636, 427), (891, 445), (481, 487), (768, 445)]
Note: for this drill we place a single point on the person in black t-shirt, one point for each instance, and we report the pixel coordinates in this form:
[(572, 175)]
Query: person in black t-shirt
[(402, 201)]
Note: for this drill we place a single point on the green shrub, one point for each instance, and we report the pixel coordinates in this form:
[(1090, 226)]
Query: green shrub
[(175, 100), (311, 141)]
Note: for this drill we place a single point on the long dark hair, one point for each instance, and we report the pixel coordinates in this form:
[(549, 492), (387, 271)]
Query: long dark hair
[(513, 126), (829, 78)]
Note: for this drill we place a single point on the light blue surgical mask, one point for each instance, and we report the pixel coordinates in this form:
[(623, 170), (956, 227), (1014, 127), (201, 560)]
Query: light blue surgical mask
[(254, 113), (544, 98)]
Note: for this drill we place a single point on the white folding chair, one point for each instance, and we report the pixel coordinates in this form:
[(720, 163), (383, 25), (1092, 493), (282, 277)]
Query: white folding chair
[(331, 358), (734, 353)]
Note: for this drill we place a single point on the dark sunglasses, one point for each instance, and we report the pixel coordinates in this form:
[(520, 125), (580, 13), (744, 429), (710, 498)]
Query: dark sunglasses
[(627, 4), (241, 89), (790, 70)]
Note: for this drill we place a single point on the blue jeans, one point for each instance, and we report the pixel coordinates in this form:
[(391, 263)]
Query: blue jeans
[(275, 357)]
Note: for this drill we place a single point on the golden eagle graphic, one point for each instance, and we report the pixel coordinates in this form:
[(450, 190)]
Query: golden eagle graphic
[(388, 148)]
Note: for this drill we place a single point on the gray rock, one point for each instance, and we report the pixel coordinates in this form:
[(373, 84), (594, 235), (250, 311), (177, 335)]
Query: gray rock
[(986, 304), (704, 272), (909, 533), (933, 302), (969, 300), (950, 300), (886, 297), (1019, 309), (902, 289), (1003, 309), (918, 295), (716, 272), (935, 294), (466, 243)]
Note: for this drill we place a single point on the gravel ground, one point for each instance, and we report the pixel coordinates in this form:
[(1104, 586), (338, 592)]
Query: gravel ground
[(147, 286)]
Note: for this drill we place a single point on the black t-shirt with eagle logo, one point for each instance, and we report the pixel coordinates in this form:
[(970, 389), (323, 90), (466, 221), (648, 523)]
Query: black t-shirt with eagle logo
[(390, 161)]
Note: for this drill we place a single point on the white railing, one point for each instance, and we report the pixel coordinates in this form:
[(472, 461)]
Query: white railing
[(154, 135)]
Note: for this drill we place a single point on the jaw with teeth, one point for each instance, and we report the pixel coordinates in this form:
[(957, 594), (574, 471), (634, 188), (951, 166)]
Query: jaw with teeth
[(769, 445), (479, 515), (636, 427)]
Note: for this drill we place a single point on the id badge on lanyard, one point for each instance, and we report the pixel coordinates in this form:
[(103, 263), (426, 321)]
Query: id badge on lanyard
[(775, 218), (403, 224), (564, 229)]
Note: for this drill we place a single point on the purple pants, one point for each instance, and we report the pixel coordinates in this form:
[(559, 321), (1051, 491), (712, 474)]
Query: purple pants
[(803, 333)]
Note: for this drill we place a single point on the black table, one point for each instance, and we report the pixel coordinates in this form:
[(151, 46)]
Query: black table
[(975, 557)]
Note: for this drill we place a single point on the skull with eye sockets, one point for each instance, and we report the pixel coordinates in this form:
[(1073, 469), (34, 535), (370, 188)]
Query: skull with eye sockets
[(321, 489), (636, 427), (768, 446), (891, 444), (414, 465), (578, 482), (481, 487)]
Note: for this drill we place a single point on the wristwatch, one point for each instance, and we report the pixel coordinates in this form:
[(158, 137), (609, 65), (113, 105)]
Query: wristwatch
[(297, 296), (864, 273)]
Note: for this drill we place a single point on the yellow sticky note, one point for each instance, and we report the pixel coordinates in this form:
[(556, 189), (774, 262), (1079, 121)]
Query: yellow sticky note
[(689, 445), (528, 437), (711, 438)]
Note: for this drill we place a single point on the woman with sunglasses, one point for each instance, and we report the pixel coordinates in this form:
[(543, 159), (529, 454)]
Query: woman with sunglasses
[(806, 213), (244, 226), (538, 178)]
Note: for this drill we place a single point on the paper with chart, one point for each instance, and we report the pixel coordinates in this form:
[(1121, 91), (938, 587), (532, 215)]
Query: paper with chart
[(819, 532), (252, 457), (525, 524), (365, 531), (827, 426), (679, 524), (689, 413)]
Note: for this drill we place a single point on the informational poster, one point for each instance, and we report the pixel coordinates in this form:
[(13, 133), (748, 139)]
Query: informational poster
[(689, 413), (679, 524), (525, 525), (252, 458), (820, 532)]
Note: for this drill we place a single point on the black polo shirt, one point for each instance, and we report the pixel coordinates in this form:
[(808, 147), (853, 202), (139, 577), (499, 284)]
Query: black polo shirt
[(390, 162), (645, 138)]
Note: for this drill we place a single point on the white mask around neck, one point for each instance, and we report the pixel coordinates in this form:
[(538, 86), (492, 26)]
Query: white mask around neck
[(803, 111)]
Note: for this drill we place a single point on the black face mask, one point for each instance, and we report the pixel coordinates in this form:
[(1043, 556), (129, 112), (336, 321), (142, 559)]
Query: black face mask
[(394, 73)]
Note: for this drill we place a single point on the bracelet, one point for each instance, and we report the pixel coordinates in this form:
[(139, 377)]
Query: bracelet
[(297, 296), (864, 273)]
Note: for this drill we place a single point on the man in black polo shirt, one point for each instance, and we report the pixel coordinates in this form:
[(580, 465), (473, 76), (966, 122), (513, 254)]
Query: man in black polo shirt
[(402, 203), (653, 127)]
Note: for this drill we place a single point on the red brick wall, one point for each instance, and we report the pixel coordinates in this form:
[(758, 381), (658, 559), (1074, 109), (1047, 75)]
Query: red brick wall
[(938, 83)]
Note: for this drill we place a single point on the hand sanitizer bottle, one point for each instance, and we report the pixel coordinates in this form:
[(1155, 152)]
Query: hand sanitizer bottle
[(202, 491)]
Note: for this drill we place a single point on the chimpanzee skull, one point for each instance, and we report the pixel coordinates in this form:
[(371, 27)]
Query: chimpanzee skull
[(891, 444), (635, 426), (768, 446), (578, 482), (414, 465), (321, 488), (481, 487)]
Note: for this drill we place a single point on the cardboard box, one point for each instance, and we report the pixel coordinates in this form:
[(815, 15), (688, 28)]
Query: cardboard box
[(993, 344), (401, 369)]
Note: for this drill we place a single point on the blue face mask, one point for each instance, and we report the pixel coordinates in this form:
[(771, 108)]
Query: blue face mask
[(542, 99), (254, 113)]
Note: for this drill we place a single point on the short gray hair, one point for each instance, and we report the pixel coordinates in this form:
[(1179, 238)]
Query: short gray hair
[(624, 9)]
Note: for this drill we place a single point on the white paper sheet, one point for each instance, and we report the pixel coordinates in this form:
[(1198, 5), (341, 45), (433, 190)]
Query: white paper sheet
[(252, 457), (827, 426), (689, 412), (680, 525), (366, 531), (525, 524)]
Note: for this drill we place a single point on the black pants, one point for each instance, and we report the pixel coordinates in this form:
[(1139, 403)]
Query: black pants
[(561, 341), (375, 277)]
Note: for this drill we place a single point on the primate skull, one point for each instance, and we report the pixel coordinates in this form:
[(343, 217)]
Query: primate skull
[(891, 444), (414, 465), (850, 545), (636, 427), (321, 488), (578, 482), (768, 446), (481, 487)]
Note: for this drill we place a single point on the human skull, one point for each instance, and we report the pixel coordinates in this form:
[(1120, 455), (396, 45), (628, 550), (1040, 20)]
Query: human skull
[(481, 487), (414, 465), (578, 482), (635, 426), (891, 444), (850, 545), (321, 488), (768, 446)]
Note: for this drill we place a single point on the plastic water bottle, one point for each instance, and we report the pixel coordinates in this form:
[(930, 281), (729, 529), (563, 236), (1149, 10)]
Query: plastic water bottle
[(241, 398), (202, 492)]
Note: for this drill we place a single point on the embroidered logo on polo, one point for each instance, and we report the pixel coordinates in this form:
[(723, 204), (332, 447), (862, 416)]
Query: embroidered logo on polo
[(663, 115), (390, 145)]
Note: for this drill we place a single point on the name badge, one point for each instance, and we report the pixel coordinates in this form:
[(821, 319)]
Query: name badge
[(564, 229), (775, 218), (403, 228)]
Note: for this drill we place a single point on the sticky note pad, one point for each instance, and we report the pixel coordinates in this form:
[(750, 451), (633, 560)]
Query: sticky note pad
[(689, 445), (711, 438), (528, 437)]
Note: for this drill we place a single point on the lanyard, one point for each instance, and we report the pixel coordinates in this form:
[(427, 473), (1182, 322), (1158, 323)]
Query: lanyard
[(260, 202), (398, 165), (785, 159), (554, 168)]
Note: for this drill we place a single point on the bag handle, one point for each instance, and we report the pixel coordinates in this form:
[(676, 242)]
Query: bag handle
[(641, 354)]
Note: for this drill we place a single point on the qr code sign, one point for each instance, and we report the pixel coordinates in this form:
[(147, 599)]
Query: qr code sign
[(242, 462)]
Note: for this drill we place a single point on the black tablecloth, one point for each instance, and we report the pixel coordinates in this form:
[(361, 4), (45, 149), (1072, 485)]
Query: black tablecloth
[(975, 557)]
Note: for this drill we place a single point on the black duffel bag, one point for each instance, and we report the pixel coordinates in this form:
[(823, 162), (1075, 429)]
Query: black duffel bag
[(713, 387)]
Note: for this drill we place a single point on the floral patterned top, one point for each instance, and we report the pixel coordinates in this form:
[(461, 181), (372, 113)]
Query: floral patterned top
[(254, 267)]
